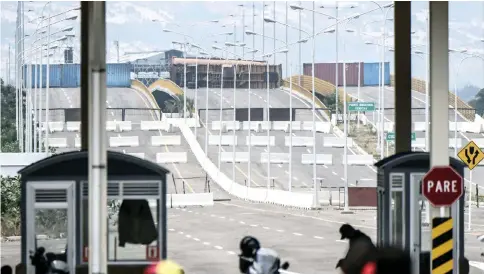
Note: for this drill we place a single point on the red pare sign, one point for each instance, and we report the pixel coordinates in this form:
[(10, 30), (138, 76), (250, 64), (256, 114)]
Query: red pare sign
[(152, 253), (442, 186)]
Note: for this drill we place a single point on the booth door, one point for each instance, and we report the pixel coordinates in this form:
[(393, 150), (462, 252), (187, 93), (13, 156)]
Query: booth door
[(50, 219)]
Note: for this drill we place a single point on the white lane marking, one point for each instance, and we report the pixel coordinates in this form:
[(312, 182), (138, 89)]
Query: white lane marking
[(188, 236), (218, 247), (171, 229), (297, 234), (341, 241), (254, 225), (196, 239), (318, 237), (231, 252), (334, 173), (181, 232), (295, 178), (342, 179), (266, 228), (280, 230), (279, 165), (206, 243), (325, 166)]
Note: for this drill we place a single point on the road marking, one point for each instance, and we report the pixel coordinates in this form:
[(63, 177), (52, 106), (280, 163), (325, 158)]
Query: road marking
[(231, 252), (218, 247), (318, 237), (334, 173), (297, 234)]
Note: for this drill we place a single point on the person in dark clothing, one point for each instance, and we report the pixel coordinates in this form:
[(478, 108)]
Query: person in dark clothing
[(360, 251), (6, 269)]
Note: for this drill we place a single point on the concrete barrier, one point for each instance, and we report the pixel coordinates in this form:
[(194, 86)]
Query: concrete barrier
[(452, 142), (190, 122), (479, 142), (58, 142), (240, 157), (275, 158), (324, 127), (253, 125), (111, 125), (279, 197), (53, 126), (124, 125), (280, 125), (124, 141), (228, 125), (190, 199), (73, 126), (321, 159), (299, 141), (157, 141), (171, 157), (336, 142), (137, 154), (154, 125), (261, 140), (419, 126), (418, 143), (226, 140), (77, 142), (359, 160)]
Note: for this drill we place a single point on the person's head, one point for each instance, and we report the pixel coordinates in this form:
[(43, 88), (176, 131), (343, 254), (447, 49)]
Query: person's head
[(6, 269), (248, 250), (347, 231)]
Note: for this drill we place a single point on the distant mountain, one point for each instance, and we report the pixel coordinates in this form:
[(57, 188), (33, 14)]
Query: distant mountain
[(468, 92)]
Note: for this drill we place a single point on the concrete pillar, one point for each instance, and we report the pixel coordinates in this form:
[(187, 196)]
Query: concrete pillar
[(403, 74)]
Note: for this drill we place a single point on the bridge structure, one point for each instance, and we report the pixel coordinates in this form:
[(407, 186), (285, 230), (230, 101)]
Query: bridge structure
[(209, 152)]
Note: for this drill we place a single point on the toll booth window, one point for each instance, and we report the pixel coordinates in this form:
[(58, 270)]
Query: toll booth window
[(397, 217), (132, 224), (51, 229)]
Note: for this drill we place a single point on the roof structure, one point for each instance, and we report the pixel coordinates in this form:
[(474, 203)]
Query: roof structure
[(141, 56), (199, 61)]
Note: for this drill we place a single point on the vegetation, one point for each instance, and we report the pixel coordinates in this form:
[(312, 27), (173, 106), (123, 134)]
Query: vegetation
[(176, 105), (330, 102), (478, 102)]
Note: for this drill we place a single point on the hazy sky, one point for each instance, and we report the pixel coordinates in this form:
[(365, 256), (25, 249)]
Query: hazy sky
[(132, 24)]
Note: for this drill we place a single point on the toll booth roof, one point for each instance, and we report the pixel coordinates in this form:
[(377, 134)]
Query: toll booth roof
[(411, 159), (74, 165)]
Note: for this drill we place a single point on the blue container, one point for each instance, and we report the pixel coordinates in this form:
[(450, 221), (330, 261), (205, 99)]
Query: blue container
[(118, 75), (54, 76), (70, 75), (371, 72)]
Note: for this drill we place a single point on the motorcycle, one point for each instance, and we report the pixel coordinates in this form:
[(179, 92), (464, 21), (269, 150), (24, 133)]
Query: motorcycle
[(49, 263), (255, 259)]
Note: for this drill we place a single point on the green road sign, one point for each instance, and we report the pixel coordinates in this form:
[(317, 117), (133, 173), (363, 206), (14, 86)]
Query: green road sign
[(361, 106), (391, 136)]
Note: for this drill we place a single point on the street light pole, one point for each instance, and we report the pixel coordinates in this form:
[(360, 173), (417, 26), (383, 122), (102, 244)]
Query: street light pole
[(47, 88), (313, 52)]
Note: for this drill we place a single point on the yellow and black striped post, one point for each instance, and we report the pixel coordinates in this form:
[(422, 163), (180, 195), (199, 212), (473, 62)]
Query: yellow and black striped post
[(442, 246)]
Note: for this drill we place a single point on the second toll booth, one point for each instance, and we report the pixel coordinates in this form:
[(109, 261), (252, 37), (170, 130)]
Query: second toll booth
[(55, 208), (402, 214)]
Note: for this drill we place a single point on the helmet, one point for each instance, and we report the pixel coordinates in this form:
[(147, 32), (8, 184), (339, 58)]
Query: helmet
[(165, 267), (249, 246)]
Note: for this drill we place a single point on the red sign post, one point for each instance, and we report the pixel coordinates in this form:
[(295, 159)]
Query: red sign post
[(152, 253), (442, 186)]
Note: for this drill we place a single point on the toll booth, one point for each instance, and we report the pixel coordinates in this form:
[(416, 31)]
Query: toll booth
[(401, 206), (54, 208)]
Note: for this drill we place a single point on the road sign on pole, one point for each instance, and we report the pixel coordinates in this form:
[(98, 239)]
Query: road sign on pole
[(361, 106), (471, 155), (442, 186), (391, 136)]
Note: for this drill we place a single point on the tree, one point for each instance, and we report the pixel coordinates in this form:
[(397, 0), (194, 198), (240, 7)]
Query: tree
[(478, 102), (176, 105), (330, 102)]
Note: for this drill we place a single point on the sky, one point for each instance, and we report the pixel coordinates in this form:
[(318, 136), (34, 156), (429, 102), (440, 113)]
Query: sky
[(139, 26)]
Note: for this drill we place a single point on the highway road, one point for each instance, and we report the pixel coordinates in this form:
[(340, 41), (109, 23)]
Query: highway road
[(302, 175), (205, 240), (190, 172)]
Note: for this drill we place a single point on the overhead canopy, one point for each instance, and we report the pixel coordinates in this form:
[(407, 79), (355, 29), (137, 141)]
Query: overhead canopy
[(193, 61)]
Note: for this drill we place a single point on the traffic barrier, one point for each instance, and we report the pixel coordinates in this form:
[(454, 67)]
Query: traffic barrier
[(275, 158), (279, 197), (472, 127), (253, 125), (228, 125), (336, 142), (124, 141), (73, 126), (53, 126), (171, 157), (359, 160), (124, 125), (111, 125), (419, 126), (190, 199), (324, 127), (165, 140), (77, 142), (240, 157), (452, 142), (58, 142), (479, 142), (224, 140), (137, 154), (321, 159), (299, 141), (418, 143), (190, 122), (265, 125), (261, 140), (154, 125), (280, 125)]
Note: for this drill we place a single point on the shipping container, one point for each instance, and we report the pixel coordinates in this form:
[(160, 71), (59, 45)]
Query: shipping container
[(70, 75), (372, 74), (118, 75), (54, 73), (327, 72)]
